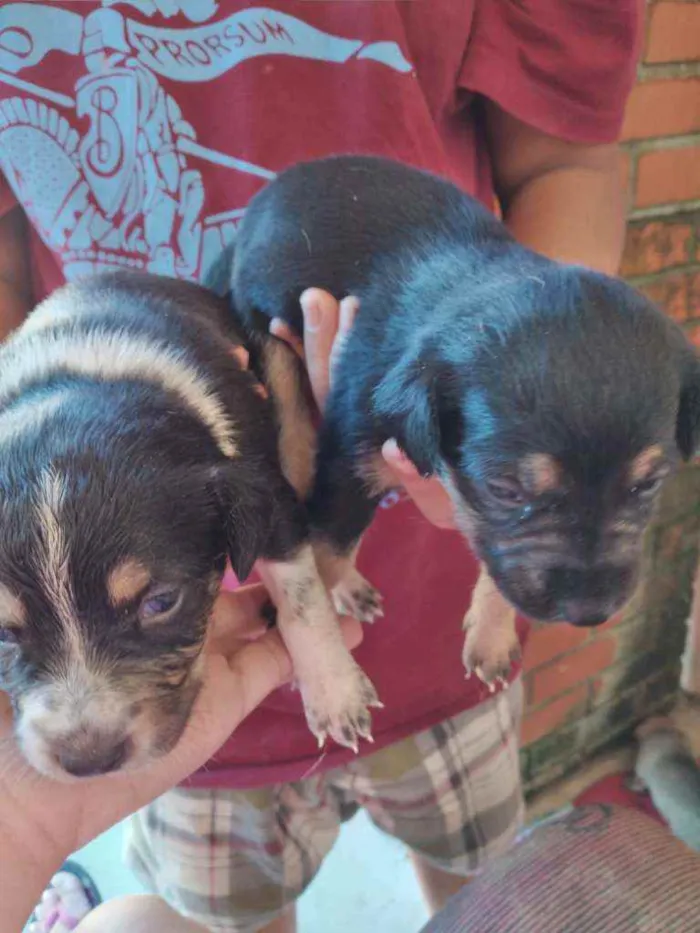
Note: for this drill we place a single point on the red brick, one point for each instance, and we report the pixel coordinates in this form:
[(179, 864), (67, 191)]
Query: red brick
[(572, 669), (663, 108), (677, 293), (668, 175), (625, 174), (538, 723), (693, 334), (673, 34), (549, 641), (655, 246), (694, 295)]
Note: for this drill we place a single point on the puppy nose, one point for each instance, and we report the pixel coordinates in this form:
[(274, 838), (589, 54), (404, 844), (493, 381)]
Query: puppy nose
[(585, 613), (89, 758), (589, 597)]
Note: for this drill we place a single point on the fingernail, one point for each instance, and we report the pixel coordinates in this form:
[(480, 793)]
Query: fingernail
[(312, 316), (242, 355), (391, 451), (311, 308)]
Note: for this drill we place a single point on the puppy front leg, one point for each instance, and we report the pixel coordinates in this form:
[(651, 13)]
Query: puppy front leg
[(340, 510), (336, 693), (491, 644), (352, 594)]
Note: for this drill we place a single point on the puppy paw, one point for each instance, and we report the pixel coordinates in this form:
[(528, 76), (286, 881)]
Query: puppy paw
[(338, 706), (489, 653), (354, 596)]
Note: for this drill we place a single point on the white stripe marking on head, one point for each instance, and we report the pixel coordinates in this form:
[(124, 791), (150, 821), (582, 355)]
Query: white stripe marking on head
[(53, 563), (97, 353), (60, 307)]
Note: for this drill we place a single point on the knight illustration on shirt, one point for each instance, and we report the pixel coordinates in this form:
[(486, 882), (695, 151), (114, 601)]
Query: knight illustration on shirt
[(112, 176)]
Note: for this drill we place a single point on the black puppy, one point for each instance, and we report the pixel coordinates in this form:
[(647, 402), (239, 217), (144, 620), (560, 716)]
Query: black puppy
[(550, 400), (135, 455)]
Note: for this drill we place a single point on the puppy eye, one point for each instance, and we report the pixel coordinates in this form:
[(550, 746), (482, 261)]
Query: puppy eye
[(160, 603), (647, 487), (506, 490), (8, 635)]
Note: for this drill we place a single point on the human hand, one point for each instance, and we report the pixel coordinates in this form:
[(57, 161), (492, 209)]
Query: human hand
[(43, 821), (327, 324)]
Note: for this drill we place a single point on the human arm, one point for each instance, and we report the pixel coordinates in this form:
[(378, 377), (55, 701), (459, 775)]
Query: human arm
[(562, 199)]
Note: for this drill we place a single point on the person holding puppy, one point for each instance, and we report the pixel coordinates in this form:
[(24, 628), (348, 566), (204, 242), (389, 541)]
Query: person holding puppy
[(42, 821), (155, 124)]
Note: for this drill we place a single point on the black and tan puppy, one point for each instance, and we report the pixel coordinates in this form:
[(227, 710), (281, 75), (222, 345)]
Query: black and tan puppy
[(551, 401), (135, 455)]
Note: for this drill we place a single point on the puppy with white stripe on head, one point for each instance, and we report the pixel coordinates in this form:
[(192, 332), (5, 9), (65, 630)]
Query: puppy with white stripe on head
[(137, 454)]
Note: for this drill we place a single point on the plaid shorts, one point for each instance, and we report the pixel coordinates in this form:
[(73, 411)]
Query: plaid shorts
[(233, 860)]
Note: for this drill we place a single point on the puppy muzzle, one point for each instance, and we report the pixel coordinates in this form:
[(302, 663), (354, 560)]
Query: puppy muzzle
[(582, 597)]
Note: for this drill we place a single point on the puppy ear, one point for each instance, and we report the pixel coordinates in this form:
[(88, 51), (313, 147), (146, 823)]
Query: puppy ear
[(262, 516), (247, 533), (688, 421), (406, 402)]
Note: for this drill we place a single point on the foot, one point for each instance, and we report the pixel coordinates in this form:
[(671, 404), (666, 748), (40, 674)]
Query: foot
[(354, 596), (337, 705), (490, 651), (69, 898)]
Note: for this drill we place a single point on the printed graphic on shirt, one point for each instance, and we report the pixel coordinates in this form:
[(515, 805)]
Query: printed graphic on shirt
[(129, 190)]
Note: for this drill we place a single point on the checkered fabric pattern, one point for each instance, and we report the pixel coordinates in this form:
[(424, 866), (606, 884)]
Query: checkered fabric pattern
[(233, 860)]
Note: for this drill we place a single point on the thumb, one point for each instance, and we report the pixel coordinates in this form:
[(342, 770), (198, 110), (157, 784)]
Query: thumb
[(428, 494), (232, 688), (321, 316)]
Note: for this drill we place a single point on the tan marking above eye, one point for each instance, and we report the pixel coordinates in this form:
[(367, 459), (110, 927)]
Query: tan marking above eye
[(12, 610), (126, 581), (645, 463), (540, 473)]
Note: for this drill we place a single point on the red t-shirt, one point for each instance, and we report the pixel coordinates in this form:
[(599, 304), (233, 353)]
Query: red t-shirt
[(133, 133)]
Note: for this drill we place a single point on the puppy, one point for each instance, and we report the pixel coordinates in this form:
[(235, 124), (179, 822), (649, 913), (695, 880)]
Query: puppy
[(136, 455), (551, 401)]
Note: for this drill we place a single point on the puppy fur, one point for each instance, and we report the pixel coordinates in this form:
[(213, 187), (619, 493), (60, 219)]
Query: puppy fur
[(550, 400), (136, 456)]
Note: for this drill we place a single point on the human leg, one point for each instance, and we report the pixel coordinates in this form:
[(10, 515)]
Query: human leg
[(452, 794), (234, 861)]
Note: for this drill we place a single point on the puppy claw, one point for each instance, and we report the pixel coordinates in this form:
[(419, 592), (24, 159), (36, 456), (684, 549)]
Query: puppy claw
[(489, 655), (490, 683), (354, 596), (339, 708)]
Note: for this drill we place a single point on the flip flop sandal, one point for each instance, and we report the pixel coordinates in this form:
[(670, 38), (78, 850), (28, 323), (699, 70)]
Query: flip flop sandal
[(74, 880)]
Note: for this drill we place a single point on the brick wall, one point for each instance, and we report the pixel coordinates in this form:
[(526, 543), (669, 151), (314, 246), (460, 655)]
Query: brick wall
[(586, 689)]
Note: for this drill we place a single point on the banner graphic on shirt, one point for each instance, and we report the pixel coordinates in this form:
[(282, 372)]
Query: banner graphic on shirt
[(110, 175), (209, 51), (191, 54), (120, 185)]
